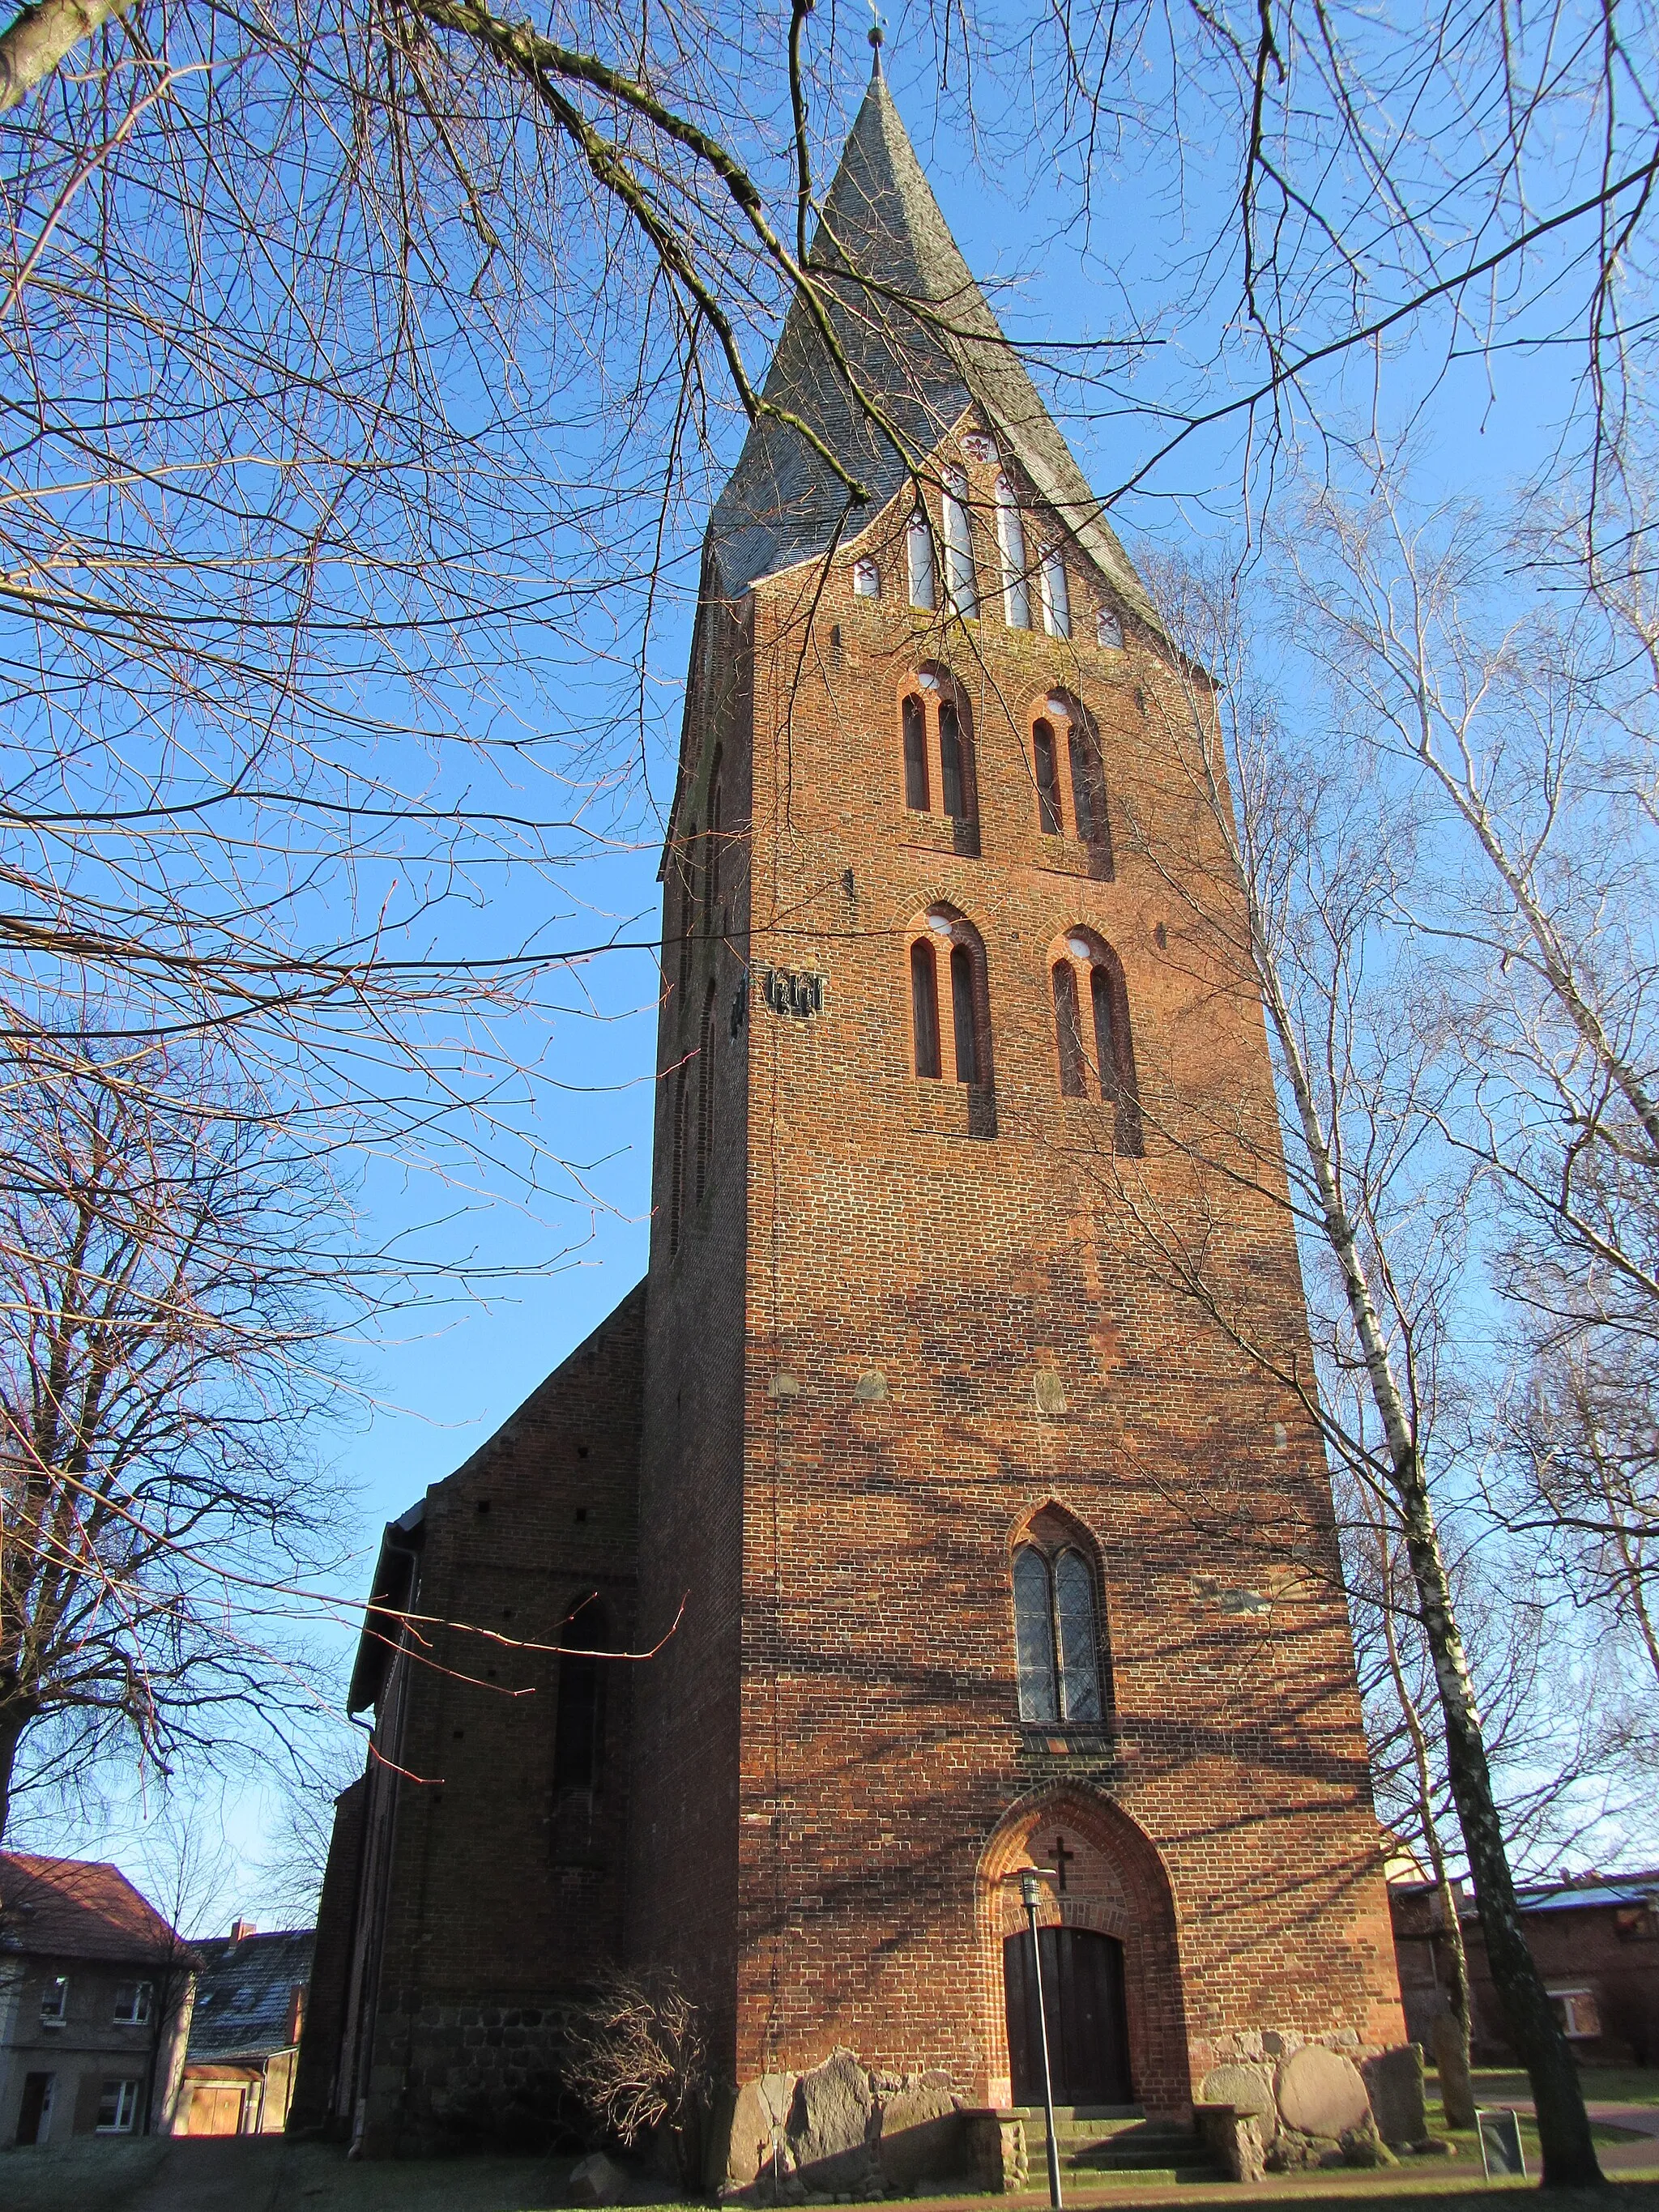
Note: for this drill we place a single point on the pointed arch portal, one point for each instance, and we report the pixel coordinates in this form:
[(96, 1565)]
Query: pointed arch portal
[(1111, 1967)]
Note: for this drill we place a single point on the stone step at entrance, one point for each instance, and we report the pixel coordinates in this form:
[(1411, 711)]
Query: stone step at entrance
[(1115, 2141)]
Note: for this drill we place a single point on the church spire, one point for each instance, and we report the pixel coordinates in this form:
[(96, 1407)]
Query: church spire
[(921, 341)]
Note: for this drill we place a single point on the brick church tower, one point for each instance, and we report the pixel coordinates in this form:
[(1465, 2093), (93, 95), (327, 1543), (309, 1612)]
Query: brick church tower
[(954, 1488)]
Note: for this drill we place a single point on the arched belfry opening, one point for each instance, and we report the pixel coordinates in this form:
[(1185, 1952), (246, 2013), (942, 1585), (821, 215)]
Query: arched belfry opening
[(1111, 1964)]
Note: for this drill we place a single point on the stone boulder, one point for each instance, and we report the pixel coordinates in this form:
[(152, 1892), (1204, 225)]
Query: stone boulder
[(831, 2124), (1321, 2093), (921, 2131), (1246, 2089), (597, 2180), (760, 2119), (1393, 2082)]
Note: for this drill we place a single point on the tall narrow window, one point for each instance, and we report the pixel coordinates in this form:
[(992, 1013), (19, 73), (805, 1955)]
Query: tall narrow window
[(676, 1163), (705, 1092), (579, 1715), (1068, 1031), (1057, 595), (688, 876), (1034, 1638), (1088, 810), (960, 584), (1114, 1051), (1010, 545), (963, 1014), (712, 873), (951, 774), (924, 1006), (1056, 1633), (915, 756), (1048, 777), (919, 549)]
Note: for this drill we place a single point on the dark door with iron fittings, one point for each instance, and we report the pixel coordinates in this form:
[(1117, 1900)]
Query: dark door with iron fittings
[(1088, 2030)]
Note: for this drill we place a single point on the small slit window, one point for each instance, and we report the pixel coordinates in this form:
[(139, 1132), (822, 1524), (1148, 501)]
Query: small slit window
[(1010, 548), (1056, 594), (919, 553)]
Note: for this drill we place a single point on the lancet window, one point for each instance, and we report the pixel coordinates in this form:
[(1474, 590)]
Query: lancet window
[(578, 1714), (961, 586), (936, 731), (919, 555), (1056, 594), (950, 1011), (1060, 725), (1085, 970), (1056, 1627)]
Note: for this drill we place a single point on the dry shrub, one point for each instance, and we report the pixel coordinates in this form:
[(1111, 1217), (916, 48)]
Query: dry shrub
[(635, 2059)]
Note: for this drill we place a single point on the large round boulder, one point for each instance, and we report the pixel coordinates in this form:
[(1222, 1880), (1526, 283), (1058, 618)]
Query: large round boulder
[(1321, 2093)]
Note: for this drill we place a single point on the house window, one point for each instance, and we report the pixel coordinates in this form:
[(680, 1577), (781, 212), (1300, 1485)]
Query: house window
[(1577, 2015), (118, 2108), (1045, 760), (915, 754), (867, 580), (944, 938), (579, 1715), (919, 552), (1057, 1643), (54, 2002), (133, 2002), (1083, 958), (1057, 595), (1010, 548), (706, 1090), (960, 584), (1109, 629)]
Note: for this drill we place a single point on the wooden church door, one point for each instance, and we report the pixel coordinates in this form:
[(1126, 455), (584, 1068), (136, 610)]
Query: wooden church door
[(1088, 2028)]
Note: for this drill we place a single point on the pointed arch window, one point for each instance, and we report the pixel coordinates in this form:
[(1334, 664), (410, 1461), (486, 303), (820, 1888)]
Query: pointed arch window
[(952, 761), (706, 1090), (915, 754), (1057, 1635), (919, 554), (1045, 760), (1088, 787), (961, 586), (946, 952), (1056, 594), (1108, 1069), (1010, 548)]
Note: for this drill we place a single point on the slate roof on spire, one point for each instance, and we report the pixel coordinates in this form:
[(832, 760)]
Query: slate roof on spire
[(920, 338)]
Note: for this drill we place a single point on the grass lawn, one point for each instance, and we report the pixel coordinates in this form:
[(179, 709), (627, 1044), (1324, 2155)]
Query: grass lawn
[(1603, 2085)]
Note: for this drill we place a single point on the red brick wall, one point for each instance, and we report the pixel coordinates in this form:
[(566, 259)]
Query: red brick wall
[(846, 1722), (501, 1893)]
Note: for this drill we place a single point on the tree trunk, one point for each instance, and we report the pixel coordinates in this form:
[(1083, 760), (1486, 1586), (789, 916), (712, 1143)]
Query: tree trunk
[(13, 1719), (1564, 2130)]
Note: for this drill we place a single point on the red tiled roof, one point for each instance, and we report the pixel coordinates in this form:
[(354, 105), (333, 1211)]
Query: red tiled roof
[(76, 1909)]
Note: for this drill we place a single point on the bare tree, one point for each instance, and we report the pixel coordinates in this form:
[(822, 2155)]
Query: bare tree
[(166, 1300), (1285, 891), (634, 2057)]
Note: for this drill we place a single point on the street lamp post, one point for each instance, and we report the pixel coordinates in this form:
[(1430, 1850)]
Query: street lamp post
[(1031, 1893)]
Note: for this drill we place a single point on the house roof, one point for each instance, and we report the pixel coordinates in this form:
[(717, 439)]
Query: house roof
[(245, 1991), (917, 332), (1573, 1892), (78, 1909)]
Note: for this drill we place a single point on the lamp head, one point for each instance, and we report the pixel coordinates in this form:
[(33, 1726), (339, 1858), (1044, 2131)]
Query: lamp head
[(1028, 1889)]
